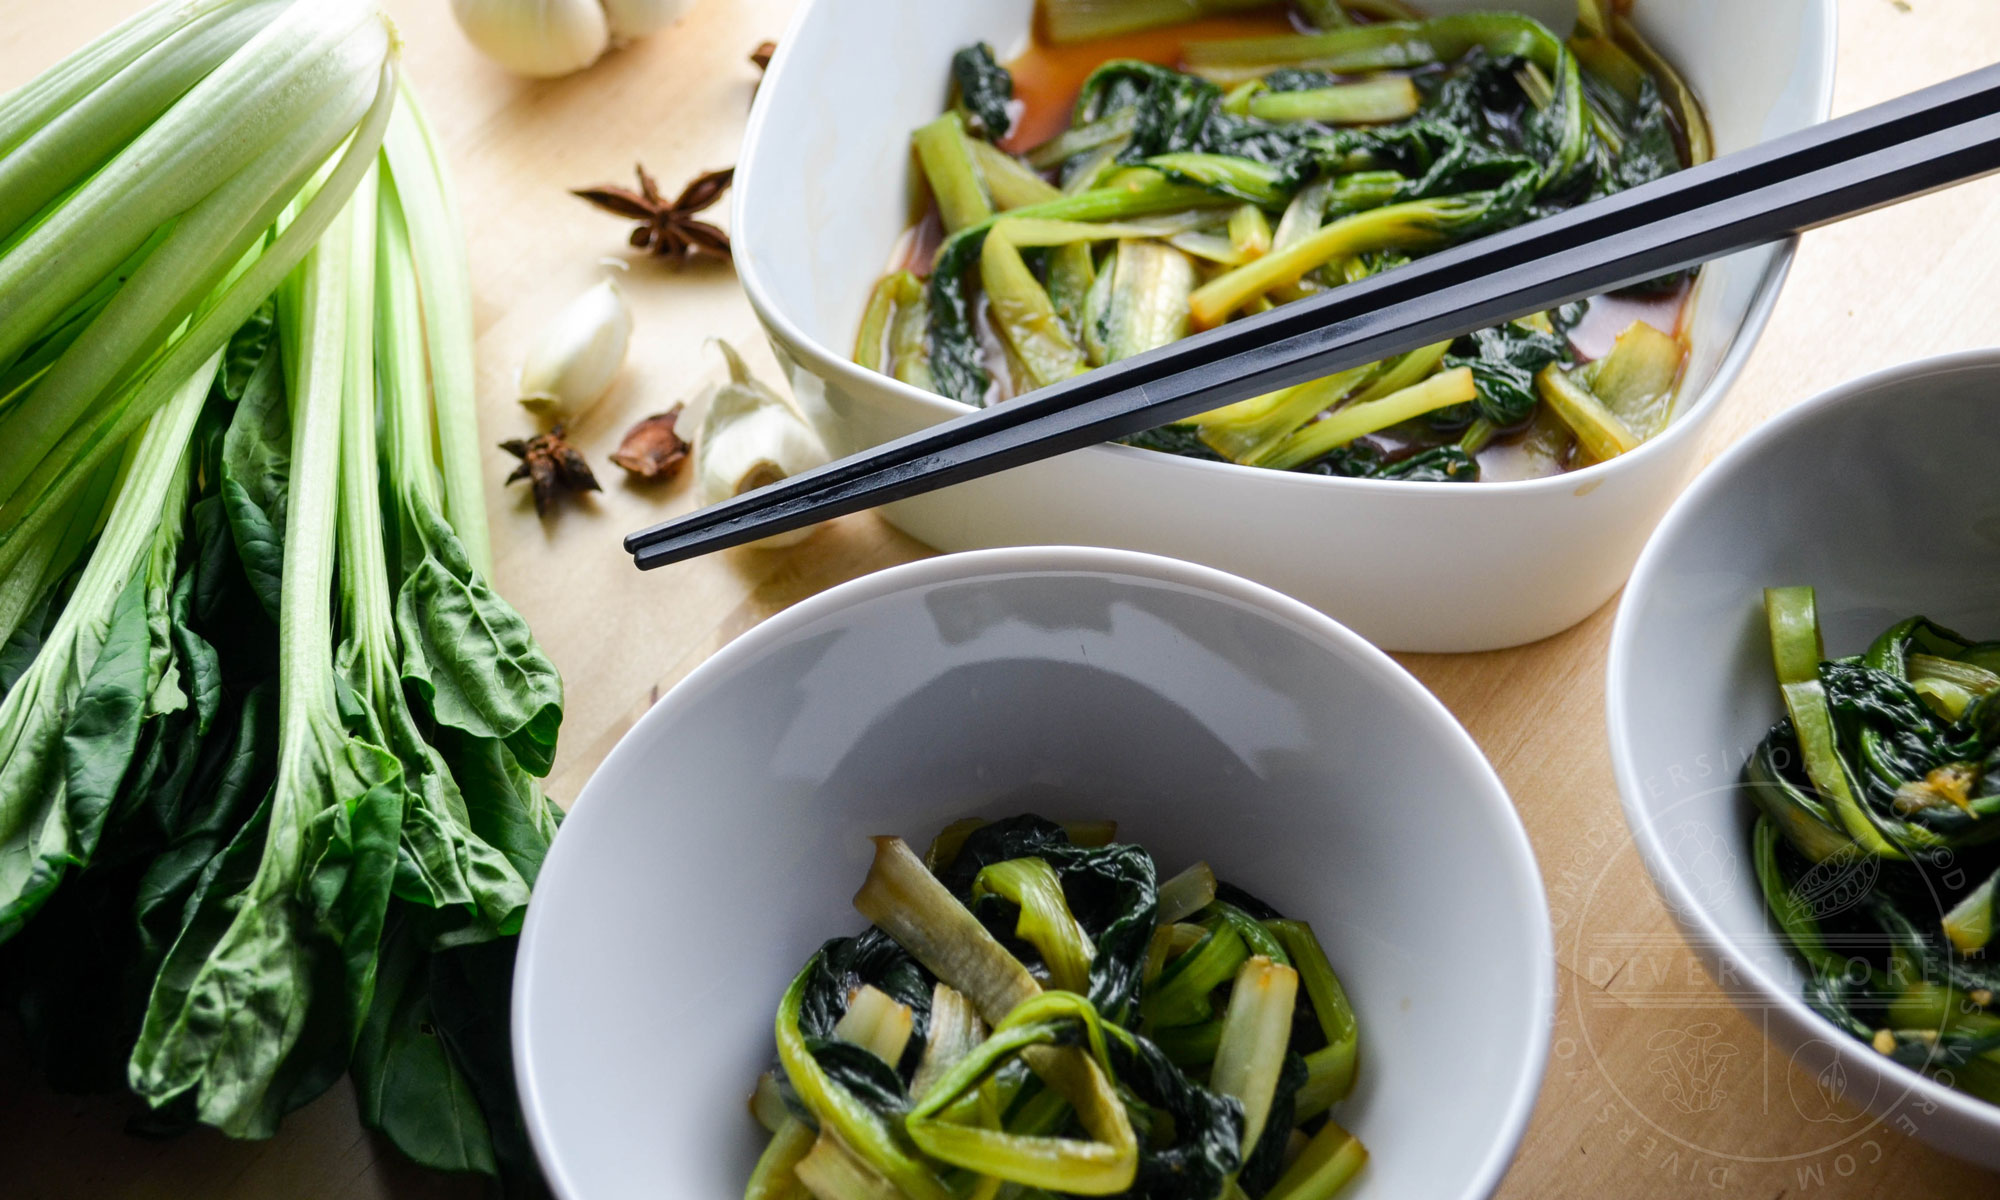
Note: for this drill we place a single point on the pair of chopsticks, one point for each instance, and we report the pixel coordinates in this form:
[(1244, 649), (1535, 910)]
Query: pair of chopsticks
[(1905, 148)]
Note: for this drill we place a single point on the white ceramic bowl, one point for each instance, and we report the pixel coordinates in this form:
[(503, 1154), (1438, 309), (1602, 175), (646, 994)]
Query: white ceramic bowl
[(1411, 566), (1880, 494), (724, 838)]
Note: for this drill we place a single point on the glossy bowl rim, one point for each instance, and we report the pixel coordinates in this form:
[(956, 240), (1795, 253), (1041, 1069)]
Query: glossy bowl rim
[(1688, 423), (1380, 669), (1681, 899)]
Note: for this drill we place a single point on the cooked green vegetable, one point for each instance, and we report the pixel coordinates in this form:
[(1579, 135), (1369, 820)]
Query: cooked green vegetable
[(268, 739), (1026, 1013), (1878, 808), (1274, 168), (1082, 20), (984, 90)]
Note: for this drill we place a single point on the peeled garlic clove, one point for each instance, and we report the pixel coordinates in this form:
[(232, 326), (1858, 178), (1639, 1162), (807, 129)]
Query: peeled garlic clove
[(751, 437), (637, 18), (579, 356), (543, 38)]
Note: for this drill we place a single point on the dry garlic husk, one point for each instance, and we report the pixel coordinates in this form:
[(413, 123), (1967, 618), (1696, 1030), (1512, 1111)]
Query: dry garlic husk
[(545, 38), (750, 437), (578, 357)]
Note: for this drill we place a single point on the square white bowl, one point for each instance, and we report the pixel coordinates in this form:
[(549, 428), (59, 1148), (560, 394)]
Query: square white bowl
[(1412, 566)]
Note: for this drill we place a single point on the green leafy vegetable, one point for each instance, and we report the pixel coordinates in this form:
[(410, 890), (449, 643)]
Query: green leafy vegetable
[(257, 826), (1875, 840), (1299, 163), (1118, 1055)]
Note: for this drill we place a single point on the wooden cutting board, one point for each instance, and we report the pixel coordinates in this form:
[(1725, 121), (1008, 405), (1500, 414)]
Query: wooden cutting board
[(1658, 1087)]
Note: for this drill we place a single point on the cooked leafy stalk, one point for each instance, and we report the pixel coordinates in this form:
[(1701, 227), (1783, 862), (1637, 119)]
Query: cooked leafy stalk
[(1330, 1070), (1250, 431), (1105, 1165), (1359, 419), (877, 1023), (1793, 616), (1011, 182), (1969, 924), (908, 903), (871, 342), (1255, 1035), (1031, 885), (1417, 225), (1062, 1093), (953, 1032), (1148, 306), (1867, 766), (1024, 314), (1368, 102), (1186, 894), (1301, 163), (1329, 1163), (1598, 430), (1083, 20), (1636, 380), (776, 1175), (955, 183)]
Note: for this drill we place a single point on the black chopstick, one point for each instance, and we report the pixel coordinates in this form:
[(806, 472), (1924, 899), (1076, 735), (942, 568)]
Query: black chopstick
[(1916, 144)]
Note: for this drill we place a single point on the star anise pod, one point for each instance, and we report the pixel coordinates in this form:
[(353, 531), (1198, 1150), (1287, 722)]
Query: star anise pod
[(653, 449), (762, 55), (551, 466), (668, 229)]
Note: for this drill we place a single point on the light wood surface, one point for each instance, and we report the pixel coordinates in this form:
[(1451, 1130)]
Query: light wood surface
[(1904, 283)]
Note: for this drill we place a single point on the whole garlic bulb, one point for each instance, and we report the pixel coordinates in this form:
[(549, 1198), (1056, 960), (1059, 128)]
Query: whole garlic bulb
[(545, 38), (578, 357), (751, 437)]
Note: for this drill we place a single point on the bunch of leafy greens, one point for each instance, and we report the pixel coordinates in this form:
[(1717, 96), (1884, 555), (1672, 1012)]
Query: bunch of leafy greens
[(268, 739), (1272, 169), (1878, 801), (1033, 1008)]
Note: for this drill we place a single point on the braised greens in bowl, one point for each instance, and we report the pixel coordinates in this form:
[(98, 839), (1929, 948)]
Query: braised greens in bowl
[(1195, 175), (1033, 1008), (1878, 799)]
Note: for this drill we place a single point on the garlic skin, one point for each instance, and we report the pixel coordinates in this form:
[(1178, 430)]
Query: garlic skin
[(750, 437), (579, 356), (547, 38), (636, 18)]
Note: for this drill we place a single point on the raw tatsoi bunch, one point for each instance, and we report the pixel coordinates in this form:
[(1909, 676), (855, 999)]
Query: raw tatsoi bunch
[(1034, 1013), (1879, 803), (268, 740), (1268, 169)]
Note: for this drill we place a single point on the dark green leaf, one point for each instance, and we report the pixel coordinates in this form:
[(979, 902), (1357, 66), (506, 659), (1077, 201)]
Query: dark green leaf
[(404, 1078), (984, 90), (1440, 464), (470, 991), (256, 472), (469, 656), (1504, 362), (248, 347)]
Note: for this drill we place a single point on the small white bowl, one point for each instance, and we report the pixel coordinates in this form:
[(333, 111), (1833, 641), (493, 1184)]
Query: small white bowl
[(1881, 494), (1411, 566), (724, 838)]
